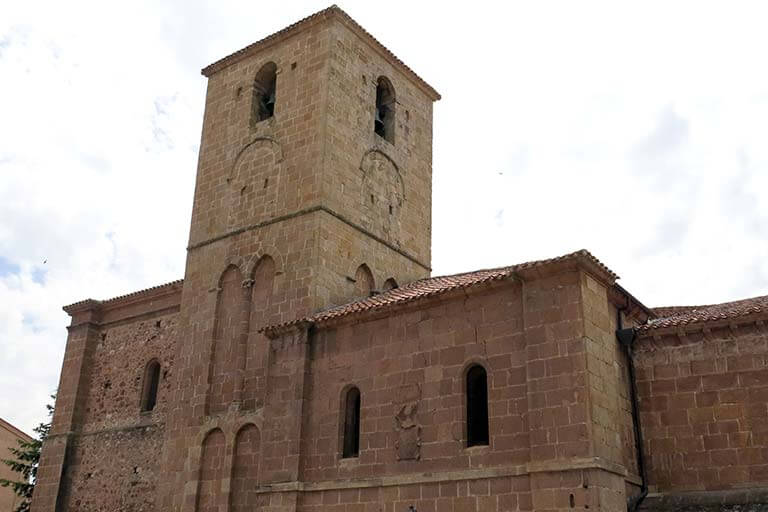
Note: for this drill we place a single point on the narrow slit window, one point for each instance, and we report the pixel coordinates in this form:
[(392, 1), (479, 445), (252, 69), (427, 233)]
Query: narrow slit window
[(351, 439), (151, 384), (264, 89), (477, 406), (384, 114)]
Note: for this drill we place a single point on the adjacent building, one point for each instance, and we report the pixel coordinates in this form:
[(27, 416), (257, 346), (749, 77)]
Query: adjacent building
[(10, 437)]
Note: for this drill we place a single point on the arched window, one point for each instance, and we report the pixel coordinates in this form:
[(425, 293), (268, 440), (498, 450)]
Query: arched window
[(151, 383), (263, 102), (384, 120), (351, 434), (389, 284), (364, 281), (477, 406)]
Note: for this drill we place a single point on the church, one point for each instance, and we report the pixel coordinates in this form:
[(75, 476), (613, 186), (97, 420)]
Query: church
[(309, 362)]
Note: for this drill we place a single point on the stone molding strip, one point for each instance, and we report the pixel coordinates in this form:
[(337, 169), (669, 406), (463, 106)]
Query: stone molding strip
[(108, 430), (452, 476), (307, 211), (673, 501)]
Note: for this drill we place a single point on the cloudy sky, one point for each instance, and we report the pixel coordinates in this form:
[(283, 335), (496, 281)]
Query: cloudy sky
[(637, 131)]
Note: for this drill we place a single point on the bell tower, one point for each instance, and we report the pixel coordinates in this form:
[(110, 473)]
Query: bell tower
[(313, 189), (316, 150)]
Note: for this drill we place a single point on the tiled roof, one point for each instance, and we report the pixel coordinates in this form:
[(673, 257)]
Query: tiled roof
[(137, 294), (667, 311), (432, 286), (329, 11), (678, 316)]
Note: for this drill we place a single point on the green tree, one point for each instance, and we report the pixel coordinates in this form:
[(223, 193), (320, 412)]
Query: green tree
[(25, 462)]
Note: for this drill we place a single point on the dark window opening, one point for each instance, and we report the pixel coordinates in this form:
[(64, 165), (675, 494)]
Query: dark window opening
[(264, 86), (384, 115), (351, 424), (390, 284), (364, 281), (151, 384), (477, 406)]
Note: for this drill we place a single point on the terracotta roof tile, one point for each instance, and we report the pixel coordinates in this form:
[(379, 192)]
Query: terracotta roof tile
[(329, 11), (432, 286), (667, 311), (87, 303), (678, 316)]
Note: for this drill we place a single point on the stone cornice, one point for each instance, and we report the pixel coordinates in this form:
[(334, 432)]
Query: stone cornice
[(162, 297), (586, 463), (331, 13)]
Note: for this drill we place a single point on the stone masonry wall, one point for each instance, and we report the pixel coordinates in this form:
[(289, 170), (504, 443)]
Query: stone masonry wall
[(610, 406), (490, 494), (342, 249), (112, 427), (114, 470), (410, 369), (704, 408), (117, 367), (286, 297), (260, 191), (385, 187), (236, 158)]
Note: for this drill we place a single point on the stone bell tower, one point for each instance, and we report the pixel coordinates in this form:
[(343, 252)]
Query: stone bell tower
[(313, 189), (294, 164)]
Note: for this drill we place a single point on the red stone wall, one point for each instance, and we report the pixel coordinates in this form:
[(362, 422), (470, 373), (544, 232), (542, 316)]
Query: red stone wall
[(245, 470), (227, 332), (112, 426), (704, 406), (410, 370), (102, 452), (269, 190), (113, 470), (120, 356), (556, 374), (210, 495), (493, 494)]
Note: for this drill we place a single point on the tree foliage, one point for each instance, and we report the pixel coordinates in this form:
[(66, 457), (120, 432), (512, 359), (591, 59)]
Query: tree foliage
[(25, 462)]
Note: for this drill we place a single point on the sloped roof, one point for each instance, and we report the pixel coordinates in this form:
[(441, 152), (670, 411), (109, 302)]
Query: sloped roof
[(16, 431), (139, 294), (333, 10), (678, 316), (432, 286)]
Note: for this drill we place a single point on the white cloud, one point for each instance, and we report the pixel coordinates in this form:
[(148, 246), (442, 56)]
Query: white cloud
[(636, 131)]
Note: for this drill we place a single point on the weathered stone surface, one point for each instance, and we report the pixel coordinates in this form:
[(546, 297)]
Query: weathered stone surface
[(310, 208)]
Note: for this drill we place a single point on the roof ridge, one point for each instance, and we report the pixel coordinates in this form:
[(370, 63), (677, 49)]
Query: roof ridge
[(429, 287), (694, 315), (117, 298), (331, 10)]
